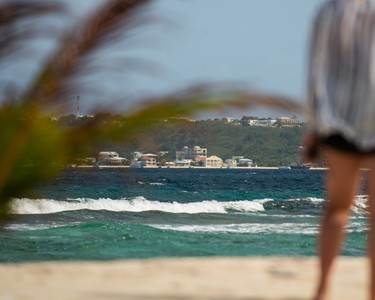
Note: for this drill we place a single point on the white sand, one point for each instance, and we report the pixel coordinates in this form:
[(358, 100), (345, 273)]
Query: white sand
[(181, 279)]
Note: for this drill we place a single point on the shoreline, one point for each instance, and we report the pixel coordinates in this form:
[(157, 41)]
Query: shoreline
[(195, 167), (235, 278)]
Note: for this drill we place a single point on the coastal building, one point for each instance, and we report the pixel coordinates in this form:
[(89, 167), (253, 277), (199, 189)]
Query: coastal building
[(182, 163), (196, 153), (170, 164), (237, 157), (285, 121), (148, 160), (231, 163), (262, 122), (213, 162), (245, 162), (200, 160), (110, 158), (162, 153), (282, 121)]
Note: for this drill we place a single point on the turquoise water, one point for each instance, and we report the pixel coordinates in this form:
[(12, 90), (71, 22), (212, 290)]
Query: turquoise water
[(104, 214)]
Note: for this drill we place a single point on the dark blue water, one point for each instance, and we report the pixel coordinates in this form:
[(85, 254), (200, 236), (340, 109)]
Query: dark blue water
[(102, 214)]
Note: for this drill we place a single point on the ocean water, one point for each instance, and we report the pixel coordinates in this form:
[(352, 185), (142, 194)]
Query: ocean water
[(110, 213)]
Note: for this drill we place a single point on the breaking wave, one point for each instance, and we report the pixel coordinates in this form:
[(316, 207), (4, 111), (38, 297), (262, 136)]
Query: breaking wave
[(141, 204), (138, 204)]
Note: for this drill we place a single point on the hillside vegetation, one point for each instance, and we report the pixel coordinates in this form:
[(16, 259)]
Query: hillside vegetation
[(266, 146)]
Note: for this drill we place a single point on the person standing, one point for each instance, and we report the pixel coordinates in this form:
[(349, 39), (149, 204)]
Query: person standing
[(340, 112)]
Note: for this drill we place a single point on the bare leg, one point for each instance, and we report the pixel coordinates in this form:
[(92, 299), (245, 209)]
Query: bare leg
[(342, 185), (370, 163)]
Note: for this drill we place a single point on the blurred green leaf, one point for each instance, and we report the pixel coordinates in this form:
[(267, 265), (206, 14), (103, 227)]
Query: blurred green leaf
[(34, 148)]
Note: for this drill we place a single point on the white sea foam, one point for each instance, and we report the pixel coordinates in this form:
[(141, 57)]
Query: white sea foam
[(151, 183), (259, 228), (360, 204), (356, 225), (314, 200), (249, 228), (137, 204), (25, 227)]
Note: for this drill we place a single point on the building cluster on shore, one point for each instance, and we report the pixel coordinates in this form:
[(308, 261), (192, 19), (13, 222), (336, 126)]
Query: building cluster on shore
[(192, 156), (266, 122), (187, 157)]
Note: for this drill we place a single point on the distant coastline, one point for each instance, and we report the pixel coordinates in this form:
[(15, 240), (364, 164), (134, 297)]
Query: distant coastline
[(185, 167)]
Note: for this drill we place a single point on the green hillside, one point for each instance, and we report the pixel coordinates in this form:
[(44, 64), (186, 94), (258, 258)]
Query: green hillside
[(266, 146)]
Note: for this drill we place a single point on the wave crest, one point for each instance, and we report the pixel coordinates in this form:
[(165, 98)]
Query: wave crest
[(138, 204)]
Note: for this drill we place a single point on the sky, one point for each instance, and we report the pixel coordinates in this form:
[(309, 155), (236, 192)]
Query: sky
[(259, 44), (262, 44)]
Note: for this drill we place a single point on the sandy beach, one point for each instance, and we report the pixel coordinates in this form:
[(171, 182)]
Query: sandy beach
[(180, 279)]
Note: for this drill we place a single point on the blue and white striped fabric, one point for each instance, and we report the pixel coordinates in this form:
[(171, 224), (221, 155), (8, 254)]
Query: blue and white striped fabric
[(341, 83)]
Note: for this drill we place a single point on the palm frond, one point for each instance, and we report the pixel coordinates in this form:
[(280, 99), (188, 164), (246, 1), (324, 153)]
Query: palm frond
[(186, 103), (15, 12), (98, 30), (33, 148)]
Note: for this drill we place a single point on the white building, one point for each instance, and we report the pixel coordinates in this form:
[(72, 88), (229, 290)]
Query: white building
[(285, 121), (245, 162), (263, 123), (231, 163), (191, 153), (213, 162), (110, 158)]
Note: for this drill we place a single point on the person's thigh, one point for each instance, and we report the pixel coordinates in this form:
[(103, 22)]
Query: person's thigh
[(342, 177)]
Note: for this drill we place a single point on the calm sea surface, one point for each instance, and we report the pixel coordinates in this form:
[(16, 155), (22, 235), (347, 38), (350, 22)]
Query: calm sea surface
[(104, 214)]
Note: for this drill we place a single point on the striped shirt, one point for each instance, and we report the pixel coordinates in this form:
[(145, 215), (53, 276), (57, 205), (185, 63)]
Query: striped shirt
[(341, 81)]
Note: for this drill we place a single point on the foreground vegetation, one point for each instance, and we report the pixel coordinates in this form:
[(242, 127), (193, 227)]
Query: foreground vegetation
[(33, 148)]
